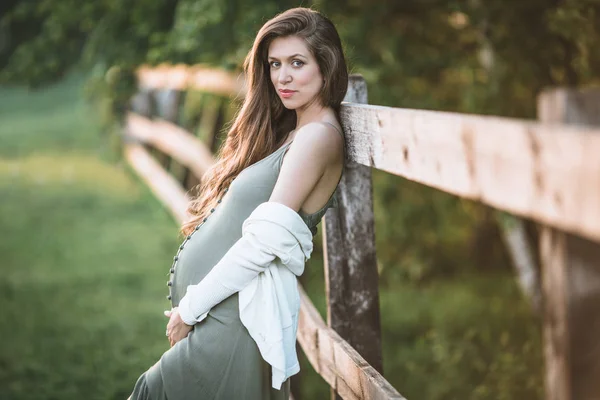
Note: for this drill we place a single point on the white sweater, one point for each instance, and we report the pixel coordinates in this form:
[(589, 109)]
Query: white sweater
[(262, 266)]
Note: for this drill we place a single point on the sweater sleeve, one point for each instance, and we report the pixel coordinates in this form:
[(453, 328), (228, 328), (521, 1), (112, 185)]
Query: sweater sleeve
[(239, 266)]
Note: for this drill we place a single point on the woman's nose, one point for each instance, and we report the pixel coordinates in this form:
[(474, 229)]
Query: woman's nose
[(284, 76)]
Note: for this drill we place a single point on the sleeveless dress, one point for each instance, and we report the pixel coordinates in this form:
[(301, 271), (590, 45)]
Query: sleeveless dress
[(219, 359)]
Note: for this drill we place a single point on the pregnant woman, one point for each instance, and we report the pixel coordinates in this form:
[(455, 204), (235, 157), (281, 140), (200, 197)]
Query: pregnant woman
[(233, 322)]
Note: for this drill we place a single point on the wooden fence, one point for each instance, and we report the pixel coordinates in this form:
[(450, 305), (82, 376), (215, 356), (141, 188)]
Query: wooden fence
[(544, 171)]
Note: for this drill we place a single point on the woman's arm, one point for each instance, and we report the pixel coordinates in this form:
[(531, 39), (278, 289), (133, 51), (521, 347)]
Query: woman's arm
[(316, 148)]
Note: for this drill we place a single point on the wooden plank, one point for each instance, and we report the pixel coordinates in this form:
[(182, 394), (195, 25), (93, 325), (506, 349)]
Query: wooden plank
[(168, 102), (336, 361), (143, 103), (196, 77), (519, 246), (571, 284), (351, 276), (217, 81), (555, 331), (569, 106), (164, 187), (207, 127), (171, 140), (535, 170), (167, 108), (571, 279)]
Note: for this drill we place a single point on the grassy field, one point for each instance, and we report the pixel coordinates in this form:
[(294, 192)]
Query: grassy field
[(85, 251), (86, 248)]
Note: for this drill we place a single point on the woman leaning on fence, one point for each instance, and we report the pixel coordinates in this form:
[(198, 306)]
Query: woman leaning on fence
[(233, 324)]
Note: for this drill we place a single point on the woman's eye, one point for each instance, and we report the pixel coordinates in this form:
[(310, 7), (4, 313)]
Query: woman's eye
[(295, 63)]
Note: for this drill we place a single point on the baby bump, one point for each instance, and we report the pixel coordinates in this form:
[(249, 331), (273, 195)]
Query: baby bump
[(198, 257)]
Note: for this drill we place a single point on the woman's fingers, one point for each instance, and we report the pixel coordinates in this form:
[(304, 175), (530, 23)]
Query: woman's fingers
[(176, 328)]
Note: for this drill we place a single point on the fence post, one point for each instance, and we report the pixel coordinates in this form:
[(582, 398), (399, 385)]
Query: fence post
[(167, 104), (571, 277), (351, 277), (142, 103)]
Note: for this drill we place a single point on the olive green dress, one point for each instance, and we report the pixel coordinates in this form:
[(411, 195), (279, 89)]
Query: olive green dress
[(218, 359)]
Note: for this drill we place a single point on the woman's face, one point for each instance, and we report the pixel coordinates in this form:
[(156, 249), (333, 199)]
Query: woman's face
[(294, 72)]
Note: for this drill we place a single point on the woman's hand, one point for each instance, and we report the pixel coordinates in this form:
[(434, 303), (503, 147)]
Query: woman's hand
[(176, 328)]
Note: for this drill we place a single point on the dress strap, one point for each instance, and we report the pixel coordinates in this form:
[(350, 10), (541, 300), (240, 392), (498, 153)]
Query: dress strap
[(342, 134), (336, 128)]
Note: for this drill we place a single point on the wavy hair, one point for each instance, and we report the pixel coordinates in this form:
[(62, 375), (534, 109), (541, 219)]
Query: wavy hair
[(262, 123)]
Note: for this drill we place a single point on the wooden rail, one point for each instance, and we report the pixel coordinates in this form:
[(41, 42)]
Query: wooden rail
[(535, 170), (546, 172), (166, 189), (198, 77), (336, 361), (171, 139)]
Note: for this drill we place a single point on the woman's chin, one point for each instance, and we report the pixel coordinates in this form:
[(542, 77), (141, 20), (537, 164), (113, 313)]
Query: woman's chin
[(290, 105)]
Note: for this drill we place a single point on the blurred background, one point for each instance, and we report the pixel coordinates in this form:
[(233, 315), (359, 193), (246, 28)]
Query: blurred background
[(85, 247)]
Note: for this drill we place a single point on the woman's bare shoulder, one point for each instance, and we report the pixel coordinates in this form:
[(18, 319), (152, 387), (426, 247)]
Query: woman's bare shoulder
[(319, 138), (316, 148)]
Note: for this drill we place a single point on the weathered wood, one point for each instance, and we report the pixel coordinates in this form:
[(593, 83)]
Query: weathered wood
[(168, 102), (165, 188), (207, 126), (143, 103), (197, 77), (526, 168), (351, 277), (554, 286), (217, 81), (569, 106), (167, 108), (519, 246), (336, 361), (172, 140), (571, 284), (218, 128), (571, 278)]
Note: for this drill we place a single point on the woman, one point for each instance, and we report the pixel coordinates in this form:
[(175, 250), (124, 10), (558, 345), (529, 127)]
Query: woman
[(283, 159)]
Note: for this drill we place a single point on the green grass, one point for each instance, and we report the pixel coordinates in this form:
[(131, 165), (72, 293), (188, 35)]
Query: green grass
[(53, 119), (84, 253), (85, 250)]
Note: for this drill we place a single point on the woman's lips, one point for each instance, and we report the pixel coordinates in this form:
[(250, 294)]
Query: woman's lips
[(286, 93)]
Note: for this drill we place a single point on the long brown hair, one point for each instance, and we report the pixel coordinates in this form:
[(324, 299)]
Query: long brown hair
[(263, 123)]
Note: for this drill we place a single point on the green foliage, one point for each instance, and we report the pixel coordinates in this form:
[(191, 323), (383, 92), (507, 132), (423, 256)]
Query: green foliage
[(110, 90), (473, 333), (483, 57), (430, 231)]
